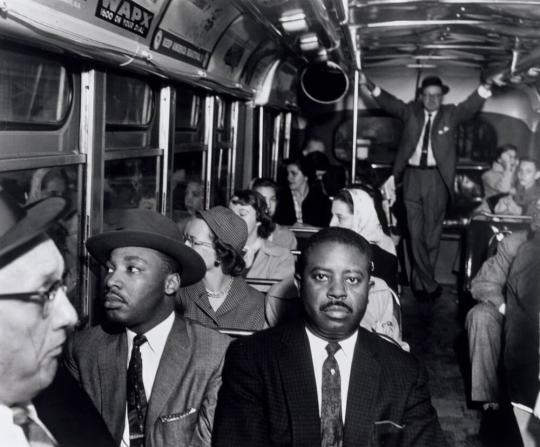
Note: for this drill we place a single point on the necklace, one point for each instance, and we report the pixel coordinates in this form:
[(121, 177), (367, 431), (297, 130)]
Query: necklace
[(220, 293)]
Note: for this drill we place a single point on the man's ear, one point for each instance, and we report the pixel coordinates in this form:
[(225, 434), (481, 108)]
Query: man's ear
[(537, 175), (172, 283)]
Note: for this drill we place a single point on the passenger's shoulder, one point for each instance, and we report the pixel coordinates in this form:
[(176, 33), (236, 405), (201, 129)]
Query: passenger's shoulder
[(276, 250), (262, 341), (245, 288), (90, 340), (389, 354), (212, 336)]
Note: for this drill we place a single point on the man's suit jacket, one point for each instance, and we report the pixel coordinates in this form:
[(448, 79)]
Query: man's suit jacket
[(69, 414), (443, 131), (188, 377), (269, 396)]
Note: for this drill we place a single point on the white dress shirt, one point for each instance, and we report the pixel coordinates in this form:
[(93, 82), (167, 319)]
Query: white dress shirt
[(151, 352), (344, 358), (417, 154), (11, 434)]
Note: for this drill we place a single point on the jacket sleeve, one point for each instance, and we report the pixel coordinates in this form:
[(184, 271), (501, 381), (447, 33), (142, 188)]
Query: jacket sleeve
[(421, 426), (392, 105), (487, 286), (466, 110), (240, 419)]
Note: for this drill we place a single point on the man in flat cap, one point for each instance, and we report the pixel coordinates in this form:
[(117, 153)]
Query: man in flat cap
[(152, 374), (35, 316), (426, 158)]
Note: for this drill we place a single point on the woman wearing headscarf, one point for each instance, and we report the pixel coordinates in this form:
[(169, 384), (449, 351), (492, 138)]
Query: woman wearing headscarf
[(264, 259), (353, 208), (222, 299)]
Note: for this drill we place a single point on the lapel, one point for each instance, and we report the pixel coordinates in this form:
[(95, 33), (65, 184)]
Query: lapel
[(171, 369), (112, 366), (197, 294), (296, 368), (234, 298), (363, 393)]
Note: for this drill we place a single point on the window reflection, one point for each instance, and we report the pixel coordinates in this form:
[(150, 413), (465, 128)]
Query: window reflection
[(130, 183), (130, 101), (32, 89), (187, 185)]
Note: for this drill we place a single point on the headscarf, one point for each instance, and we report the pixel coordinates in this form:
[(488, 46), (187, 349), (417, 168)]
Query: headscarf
[(366, 222)]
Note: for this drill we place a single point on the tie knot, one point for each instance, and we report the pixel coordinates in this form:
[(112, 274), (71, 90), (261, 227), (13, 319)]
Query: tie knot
[(332, 348), (139, 340), (20, 415)]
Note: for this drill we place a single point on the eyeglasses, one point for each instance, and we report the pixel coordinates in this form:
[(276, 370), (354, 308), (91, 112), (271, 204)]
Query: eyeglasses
[(196, 242), (43, 298)]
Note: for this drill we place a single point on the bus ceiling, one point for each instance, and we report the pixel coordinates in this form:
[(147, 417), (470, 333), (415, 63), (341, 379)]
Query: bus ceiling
[(239, 47)]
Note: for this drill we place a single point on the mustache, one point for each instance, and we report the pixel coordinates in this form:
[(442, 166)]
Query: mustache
[(112, 292), (323, 307)]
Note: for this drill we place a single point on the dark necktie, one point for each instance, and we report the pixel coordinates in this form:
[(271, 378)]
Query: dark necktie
[(425, 143), (35, 434), (331, 420), (136, 397)]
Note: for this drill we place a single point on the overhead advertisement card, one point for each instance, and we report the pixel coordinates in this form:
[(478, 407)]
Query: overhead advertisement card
[(125, 14)]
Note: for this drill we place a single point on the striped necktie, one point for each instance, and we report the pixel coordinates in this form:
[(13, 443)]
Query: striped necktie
[(331, 419), (35, 434)]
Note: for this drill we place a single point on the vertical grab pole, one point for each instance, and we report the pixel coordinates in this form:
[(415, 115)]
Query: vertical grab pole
[(164, 143), (355, 128), (209, 145), (357, 69)]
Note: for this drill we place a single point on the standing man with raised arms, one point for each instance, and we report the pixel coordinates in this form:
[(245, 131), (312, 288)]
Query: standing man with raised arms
[(426, 159)]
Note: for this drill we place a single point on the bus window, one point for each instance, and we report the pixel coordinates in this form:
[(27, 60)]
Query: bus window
[(222, 153), (130, 101), (31, 185), (129, 183), (189, 120), (33, 90)]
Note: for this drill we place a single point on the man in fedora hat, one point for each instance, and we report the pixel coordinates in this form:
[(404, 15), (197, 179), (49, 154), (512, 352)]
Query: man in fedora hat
[(152, 374), (35, 316), (426, 159)]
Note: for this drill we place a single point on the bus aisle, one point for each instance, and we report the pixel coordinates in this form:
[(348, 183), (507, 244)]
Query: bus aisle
[(436, 335)]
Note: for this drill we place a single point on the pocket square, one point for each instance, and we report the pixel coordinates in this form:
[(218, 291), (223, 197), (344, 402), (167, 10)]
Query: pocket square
[(390, 423), (176, 416)]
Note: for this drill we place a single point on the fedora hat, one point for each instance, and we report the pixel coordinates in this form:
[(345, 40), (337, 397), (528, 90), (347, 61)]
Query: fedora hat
[(433, 81), (19, 225), (148, 229)]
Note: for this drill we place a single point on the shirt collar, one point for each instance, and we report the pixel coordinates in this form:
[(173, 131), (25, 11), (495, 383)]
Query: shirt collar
[(157, 336), (347, 344)]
